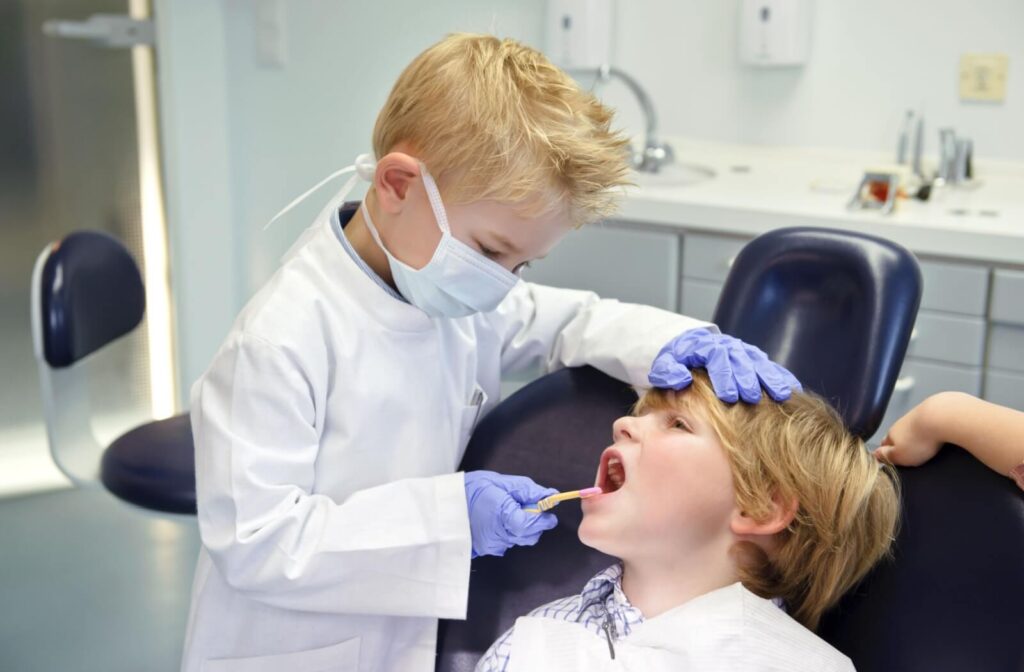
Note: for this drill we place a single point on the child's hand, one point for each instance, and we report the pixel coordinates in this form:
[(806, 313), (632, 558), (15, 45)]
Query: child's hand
[(913, 439), (497, 521)]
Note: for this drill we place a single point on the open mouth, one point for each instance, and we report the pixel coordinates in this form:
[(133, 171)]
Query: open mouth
[(611, 475)]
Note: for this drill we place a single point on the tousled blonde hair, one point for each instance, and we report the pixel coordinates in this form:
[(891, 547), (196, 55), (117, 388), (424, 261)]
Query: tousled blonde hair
[(494, 119), (848, 503)]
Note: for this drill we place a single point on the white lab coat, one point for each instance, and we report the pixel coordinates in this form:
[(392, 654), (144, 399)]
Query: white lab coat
[(328, 430), (726, 630)]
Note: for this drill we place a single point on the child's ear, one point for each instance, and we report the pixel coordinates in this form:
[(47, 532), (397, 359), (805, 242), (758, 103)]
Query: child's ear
[(395, 173), (779, 517)]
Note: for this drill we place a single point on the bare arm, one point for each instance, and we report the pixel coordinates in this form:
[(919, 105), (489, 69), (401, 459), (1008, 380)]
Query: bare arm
[(994, 434)]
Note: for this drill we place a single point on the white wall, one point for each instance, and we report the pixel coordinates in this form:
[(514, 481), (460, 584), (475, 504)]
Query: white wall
[(242, 139), (870, 61), (294, 125)]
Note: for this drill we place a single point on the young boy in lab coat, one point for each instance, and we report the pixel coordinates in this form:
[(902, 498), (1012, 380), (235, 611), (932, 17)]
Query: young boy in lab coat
[(330, 425), (736, 527)]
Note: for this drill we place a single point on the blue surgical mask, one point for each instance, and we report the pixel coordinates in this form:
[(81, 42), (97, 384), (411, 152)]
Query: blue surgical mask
[(458, 280)]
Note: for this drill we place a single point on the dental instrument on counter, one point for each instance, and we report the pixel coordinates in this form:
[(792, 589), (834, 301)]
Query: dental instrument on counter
[(903, 146), (552, 501)]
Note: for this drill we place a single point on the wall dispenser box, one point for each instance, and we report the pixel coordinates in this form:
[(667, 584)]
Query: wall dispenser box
[(579, 33), (774, 33)]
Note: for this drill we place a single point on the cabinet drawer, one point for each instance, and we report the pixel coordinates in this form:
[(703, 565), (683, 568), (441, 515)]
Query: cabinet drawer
[(699, 298), (931, 377), (709, 257), (1006, 347), (1005, 388), (1008, 297), (954, 288), (634, 266), (949, 338)]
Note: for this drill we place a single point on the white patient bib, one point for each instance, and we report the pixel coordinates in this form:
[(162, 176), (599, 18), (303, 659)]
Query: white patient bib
[(726, 630)]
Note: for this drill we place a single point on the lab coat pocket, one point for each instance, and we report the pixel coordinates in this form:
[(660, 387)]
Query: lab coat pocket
[(343, 657), (471, 414)]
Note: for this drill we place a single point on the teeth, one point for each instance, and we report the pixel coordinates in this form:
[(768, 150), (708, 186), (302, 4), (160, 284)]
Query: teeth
[(615, 473)]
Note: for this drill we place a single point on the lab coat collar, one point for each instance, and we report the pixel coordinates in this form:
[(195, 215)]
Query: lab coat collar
[(394, 314)]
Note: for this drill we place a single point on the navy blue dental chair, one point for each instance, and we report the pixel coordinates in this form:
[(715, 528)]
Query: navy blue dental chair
[(86, 294), (953, 599)]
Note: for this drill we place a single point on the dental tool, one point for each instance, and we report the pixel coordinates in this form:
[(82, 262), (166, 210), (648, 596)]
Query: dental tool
[(551, 502)]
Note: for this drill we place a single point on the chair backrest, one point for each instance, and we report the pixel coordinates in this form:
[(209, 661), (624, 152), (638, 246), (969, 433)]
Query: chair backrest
[(834, 307), (952, 597), (86, 293), (553, 430)]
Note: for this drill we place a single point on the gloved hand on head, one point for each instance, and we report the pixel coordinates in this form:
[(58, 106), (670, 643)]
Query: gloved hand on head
[(497, 521), (737, 370)]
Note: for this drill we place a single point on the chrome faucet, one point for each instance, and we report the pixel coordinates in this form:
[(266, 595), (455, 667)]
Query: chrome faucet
[(655, 154)]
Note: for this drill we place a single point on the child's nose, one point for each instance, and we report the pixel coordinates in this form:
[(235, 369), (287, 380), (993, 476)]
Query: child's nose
[(625, 429)]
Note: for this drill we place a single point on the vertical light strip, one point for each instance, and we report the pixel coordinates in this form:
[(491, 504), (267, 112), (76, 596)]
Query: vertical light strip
[(154, 229)]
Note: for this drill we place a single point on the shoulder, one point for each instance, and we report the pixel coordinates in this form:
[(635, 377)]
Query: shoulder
[(775, 634)]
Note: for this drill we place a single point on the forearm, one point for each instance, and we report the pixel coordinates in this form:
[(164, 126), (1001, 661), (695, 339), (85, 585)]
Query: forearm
[(993, 434)]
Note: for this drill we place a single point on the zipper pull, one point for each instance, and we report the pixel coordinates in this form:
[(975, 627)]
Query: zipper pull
[(609, 632)]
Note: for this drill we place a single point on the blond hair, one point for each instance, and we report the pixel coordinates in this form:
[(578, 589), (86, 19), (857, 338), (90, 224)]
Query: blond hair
[(503, 123), (848, 503)]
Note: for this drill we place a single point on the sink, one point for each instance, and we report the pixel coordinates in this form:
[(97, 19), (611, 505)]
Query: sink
[(674, 175)]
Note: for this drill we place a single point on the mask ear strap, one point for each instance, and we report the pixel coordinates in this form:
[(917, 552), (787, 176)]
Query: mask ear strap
[(434, 194), (364, 167)]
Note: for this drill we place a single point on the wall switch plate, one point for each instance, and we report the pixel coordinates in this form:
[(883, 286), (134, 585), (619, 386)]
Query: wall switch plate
[(983, 77)]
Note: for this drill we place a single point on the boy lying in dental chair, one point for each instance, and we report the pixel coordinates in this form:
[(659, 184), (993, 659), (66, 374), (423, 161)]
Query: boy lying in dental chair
[(737, 526)]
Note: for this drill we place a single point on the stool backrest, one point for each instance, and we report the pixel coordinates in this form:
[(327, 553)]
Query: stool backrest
[(86, 293)]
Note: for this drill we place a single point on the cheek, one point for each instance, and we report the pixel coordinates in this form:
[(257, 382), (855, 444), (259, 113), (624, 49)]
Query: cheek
[(414, 236), (686, 493)]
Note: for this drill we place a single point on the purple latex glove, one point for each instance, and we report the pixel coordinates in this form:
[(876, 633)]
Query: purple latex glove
[(497, 521), (737, 370)]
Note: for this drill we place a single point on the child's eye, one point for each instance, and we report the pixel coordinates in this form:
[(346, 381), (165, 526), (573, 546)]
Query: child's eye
[(680, 423), (489, 253)]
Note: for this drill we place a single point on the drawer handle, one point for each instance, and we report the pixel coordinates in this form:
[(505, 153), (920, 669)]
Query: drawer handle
[(904, 384), (730, 261), (913, 334)]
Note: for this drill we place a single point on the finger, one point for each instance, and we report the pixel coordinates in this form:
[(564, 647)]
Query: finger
[(745, 374), (667, 373), (524, 490), (536, 525), (519, 523), (791, 380), (720, 371), (770, 375)]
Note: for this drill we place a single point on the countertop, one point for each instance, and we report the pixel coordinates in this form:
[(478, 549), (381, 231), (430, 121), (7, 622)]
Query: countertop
[(756, 189)]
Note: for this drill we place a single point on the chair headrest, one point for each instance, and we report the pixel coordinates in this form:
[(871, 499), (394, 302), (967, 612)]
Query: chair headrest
[(90, 293), (836, 308)]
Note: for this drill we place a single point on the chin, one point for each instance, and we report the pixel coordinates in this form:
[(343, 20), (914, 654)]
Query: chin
[(591, 534)]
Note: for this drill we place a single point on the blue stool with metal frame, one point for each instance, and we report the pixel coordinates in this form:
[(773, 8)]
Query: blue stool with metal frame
[(87, 293)]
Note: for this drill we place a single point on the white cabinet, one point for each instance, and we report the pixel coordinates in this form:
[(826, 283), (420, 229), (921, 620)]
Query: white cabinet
[(707, 258), (1004, 377), (617, 263)]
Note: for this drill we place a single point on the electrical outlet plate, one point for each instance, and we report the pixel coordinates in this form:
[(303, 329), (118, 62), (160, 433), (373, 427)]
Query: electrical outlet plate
[(983, 77)]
